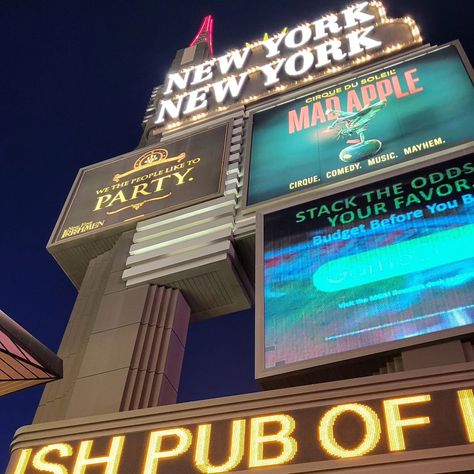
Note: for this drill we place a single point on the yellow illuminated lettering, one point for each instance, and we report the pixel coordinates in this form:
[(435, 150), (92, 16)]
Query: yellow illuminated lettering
[(112, 460), (466, 402), (395, 424), (368, 443), (180, 177), (159, 182), (23, 461), (140, 189), (120, 197), (201, 457), (40, 463), (258, 439), (101, 201), (154, 452)]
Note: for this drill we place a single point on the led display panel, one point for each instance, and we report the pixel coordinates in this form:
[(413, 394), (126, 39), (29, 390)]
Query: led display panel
[(388, 117), (371, 269), (306, 437)]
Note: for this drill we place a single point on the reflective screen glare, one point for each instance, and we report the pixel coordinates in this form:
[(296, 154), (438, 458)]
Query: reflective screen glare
[(386, 263)]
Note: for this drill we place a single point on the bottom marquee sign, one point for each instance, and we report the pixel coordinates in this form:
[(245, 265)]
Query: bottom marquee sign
[(315, 433)]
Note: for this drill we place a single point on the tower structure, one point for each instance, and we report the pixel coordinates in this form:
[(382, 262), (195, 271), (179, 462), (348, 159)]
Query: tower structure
[(242, 184), (205, 34)]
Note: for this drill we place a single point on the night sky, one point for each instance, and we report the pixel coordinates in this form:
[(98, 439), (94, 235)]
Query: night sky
[(76, 78)]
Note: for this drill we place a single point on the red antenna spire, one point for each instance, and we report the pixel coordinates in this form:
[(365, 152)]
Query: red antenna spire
[(204, 34)]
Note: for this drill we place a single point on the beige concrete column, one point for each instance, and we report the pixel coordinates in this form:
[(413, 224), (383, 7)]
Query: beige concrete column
[(122, 349)]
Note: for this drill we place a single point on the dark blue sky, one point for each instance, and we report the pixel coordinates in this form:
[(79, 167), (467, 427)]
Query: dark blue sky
[(75, 80)]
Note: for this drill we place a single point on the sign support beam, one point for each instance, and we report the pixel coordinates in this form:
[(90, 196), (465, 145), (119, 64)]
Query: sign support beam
[(123, 348)]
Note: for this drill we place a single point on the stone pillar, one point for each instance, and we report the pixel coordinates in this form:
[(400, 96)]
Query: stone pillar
[(122, 349)]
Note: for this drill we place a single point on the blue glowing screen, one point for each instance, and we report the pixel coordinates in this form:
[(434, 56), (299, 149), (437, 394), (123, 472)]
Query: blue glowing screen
[(383, 263)]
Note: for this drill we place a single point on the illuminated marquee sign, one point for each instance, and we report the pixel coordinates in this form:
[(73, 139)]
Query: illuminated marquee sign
[(313, 434), (369, 270), (358, 34), (144, 183), (416, 107)]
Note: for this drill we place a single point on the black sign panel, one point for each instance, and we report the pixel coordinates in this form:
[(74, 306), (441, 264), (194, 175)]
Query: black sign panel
[(144, 183)]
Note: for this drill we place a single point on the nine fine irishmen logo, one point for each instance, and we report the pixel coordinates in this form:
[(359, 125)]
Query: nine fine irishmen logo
[(152, 178)]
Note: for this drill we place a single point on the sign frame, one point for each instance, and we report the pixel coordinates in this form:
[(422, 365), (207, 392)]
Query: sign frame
[(261, 372), (313, 191), (112, 229)]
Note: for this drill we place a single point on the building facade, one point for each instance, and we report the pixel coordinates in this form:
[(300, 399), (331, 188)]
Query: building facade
[(321, 174)]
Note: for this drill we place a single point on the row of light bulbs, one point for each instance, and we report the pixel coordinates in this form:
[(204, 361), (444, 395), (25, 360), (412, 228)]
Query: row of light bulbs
[(382, 13), (414, 30), (331, 71)]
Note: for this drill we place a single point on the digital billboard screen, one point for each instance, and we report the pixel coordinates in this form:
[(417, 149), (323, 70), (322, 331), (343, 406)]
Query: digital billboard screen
[(385, 118), (371, 269)]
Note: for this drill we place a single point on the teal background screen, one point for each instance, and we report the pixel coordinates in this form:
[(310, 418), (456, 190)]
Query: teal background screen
[(442, 111)]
